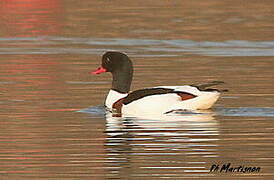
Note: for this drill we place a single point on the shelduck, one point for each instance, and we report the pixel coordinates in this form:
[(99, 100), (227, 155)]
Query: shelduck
[(156, 100)]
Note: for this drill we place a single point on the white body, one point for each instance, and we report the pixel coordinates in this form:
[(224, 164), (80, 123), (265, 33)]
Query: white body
[(160, 104)]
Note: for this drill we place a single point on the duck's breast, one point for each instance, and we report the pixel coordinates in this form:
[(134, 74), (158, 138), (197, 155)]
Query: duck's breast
[(112, 97)]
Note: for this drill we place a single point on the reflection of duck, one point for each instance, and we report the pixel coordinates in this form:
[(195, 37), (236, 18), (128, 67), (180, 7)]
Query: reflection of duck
[(167, 145), (156, 100), (201, 120)]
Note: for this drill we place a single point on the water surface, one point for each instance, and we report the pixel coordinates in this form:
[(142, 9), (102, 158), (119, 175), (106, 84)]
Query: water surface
[(53, 124)]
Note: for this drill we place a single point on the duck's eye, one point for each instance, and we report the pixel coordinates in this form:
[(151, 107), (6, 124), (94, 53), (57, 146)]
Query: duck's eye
[(107, 63)]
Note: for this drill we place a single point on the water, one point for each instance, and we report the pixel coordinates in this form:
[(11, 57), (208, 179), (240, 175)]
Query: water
[(53, 124)]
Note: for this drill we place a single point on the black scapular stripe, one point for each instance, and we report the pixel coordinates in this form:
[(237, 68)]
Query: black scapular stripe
[(138, 94)]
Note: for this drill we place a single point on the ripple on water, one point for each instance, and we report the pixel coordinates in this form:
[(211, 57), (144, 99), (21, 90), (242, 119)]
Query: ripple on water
[(87, 82), (241, 111), (133, 46), (193, 136), (246, 111), (94, 110)]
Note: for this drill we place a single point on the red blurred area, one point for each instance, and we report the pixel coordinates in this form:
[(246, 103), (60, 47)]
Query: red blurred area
[(34, 77), (24, 18)]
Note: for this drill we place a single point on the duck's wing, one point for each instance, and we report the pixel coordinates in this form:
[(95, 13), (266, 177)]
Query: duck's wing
[(205, 86), (185, 89), (138, 94), (198, 88)]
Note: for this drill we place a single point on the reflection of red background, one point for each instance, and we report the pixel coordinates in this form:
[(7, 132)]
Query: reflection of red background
[(35, 75), (22, 18)]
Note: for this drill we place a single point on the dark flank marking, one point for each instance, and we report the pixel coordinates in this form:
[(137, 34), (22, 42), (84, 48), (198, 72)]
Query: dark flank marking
[(138, 94), (117, 108)]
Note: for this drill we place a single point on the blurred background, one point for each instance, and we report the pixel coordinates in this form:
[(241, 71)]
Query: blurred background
[(47, 48)]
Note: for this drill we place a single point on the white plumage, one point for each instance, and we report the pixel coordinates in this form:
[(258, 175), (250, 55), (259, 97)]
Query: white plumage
[(163, 103)]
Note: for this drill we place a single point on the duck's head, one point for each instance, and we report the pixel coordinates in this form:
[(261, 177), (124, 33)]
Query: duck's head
[(120, 66), (114, 62)]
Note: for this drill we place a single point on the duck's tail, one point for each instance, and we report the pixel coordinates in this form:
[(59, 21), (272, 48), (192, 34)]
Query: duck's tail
[(204, 86)]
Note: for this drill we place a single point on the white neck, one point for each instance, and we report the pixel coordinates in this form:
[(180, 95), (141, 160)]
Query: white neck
[(112, 97)]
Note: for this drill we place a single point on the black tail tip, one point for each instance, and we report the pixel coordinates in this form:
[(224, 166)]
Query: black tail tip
[(223, 90), (217, 82)]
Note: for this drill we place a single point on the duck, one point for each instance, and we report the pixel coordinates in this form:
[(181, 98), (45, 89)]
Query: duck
[(154, 100)]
